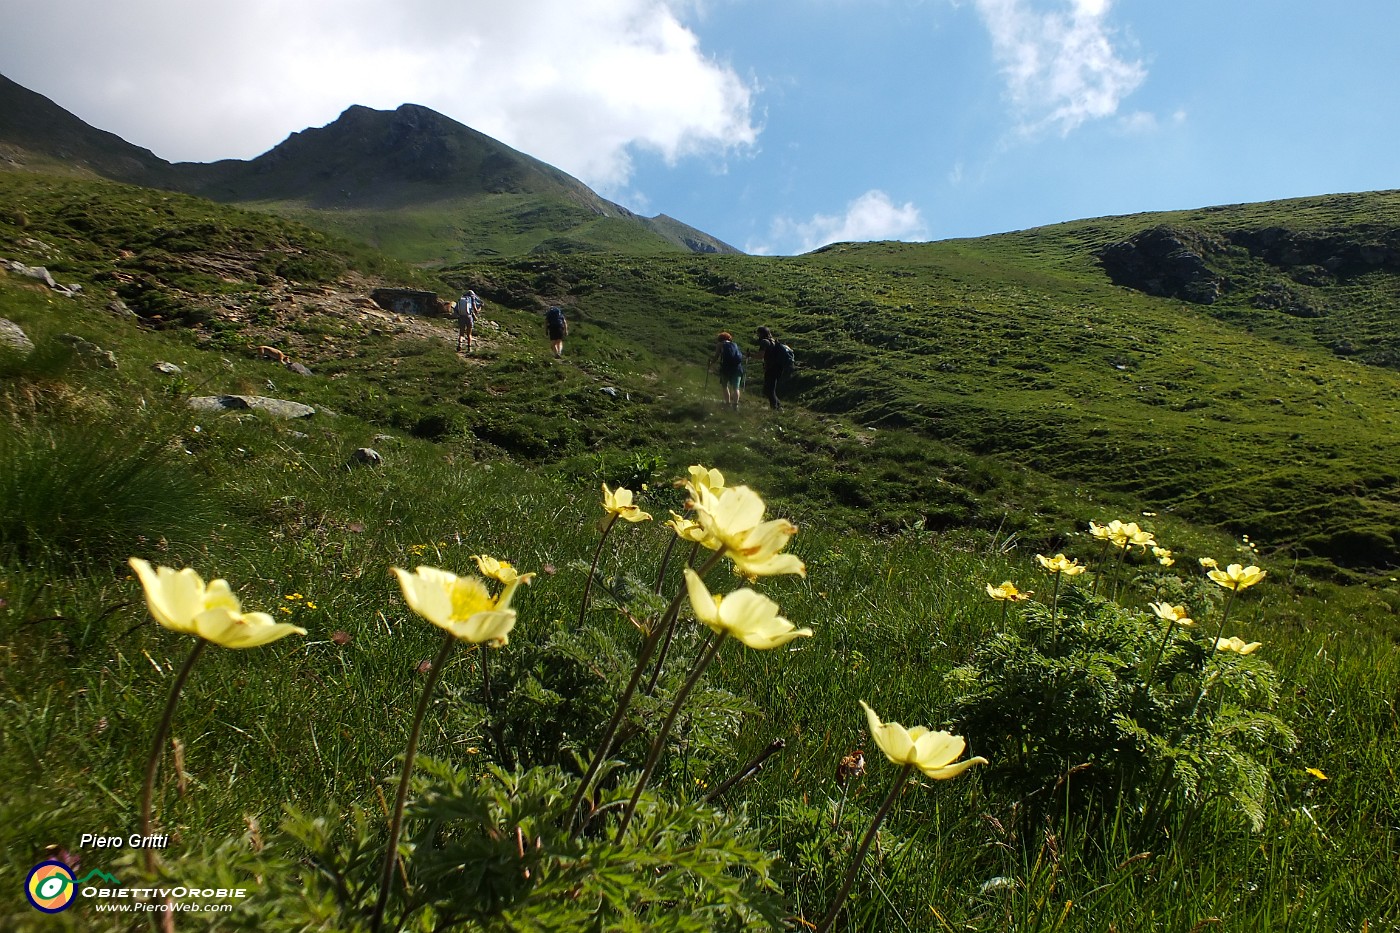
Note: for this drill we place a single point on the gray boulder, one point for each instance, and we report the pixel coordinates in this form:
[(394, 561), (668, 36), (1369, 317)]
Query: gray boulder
[(14, 337), (275, 407), (90, 351), (167, 369)]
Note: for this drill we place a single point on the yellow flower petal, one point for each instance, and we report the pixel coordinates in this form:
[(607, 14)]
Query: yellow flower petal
[(459, 605), (1237, 645), (181, 602), (750, 617), (933, 753), (1236, 577), (618, 502)]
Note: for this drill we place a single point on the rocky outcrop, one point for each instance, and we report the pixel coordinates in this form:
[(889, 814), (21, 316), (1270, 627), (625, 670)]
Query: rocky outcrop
[(1166, 262), (1339, 254)]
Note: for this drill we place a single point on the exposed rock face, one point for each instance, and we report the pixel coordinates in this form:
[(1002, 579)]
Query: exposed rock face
[(1165, 262), (408, 301), (1171, 262), (1341, 254)]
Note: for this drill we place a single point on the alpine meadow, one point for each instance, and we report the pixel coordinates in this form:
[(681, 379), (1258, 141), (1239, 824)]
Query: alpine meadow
[(1060, 595)]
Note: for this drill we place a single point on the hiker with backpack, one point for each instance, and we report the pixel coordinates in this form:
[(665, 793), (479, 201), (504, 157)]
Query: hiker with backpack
[(777, 362), (558, 328), (465, 311), (731, 368)]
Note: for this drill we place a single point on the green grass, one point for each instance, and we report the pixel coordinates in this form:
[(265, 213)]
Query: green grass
[(958, 408)]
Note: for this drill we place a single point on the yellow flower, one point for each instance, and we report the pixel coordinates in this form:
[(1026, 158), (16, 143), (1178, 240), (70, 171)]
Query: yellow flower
[(686, 529), (1061, 564), (1104, 532), (701, 477), (1163, 555), (1237, 645), (179, 600), (1008, 592), (501, 571), (933, 753), (459, 605), (1236, 577), (1136, 536), (1209, 563), (1317, 773), (733, 520), (619, 502), (748, 616), (1170, 613)]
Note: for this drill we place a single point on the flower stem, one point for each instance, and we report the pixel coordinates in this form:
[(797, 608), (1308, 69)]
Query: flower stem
[(593, 570), (1098, 574), (670, 632), (1161, 650), (148, 789), (1219, 630), (859, 857), (665, 562), (649, 642), (1054, 613), (391, 853), (659, 742)]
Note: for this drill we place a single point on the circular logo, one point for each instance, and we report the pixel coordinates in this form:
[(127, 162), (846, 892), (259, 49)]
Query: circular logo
[(50, 887)]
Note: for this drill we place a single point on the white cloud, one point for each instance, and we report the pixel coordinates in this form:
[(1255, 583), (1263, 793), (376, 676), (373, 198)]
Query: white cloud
[(577, 83), (1061, 67), (872, 216)]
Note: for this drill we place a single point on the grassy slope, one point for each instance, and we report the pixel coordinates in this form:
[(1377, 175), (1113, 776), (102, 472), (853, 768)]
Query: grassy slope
[(1018, 348), (939, 384), (318, 724)]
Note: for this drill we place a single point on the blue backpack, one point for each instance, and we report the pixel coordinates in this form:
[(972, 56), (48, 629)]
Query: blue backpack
[(731, 358), (554, 317)]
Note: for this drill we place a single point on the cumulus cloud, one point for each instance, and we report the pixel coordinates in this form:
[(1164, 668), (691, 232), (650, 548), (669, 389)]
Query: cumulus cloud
[(872, 216), (1061, 67), (581, 84)]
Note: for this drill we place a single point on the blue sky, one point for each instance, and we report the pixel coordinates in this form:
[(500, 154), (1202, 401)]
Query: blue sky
[(778, 125)]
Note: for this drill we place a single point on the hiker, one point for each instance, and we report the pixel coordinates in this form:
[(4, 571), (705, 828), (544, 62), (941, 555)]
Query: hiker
[(558, 327), (775, 364), (465, 311), (731, 368)]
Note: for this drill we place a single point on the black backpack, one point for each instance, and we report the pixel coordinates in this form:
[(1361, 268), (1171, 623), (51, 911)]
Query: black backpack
[(554, 317), (787, 359)]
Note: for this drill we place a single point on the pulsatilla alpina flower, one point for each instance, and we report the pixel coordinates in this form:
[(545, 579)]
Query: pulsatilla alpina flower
[(933, 753), (1237, 645), (1061, 564), (1163, 555), (1104, 532), (459, 605), (702, 477), (1169, 613), (1136, 537), (746, 615), (501, 571), (180, 601), (686, 529), (1209, 563), (1236, 577), (1007, 592), (733, 520), (618, 502)]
